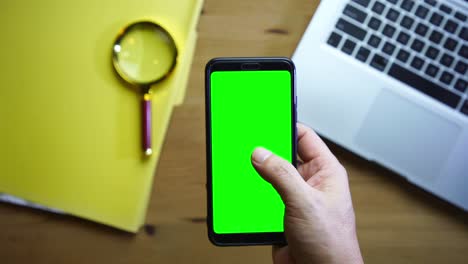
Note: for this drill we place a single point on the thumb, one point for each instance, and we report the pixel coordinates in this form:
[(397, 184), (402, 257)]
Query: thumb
[(281, 174)]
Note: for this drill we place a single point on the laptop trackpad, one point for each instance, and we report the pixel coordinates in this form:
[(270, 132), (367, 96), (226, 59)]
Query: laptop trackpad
[(407, 137)]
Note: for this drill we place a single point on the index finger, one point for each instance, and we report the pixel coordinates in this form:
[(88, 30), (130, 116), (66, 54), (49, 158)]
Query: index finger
[(310, 145)]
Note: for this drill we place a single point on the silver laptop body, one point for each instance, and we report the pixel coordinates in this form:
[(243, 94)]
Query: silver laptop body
[(386, 79)]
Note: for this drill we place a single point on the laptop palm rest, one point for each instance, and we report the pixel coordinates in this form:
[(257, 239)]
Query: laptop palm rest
[(401, 135)]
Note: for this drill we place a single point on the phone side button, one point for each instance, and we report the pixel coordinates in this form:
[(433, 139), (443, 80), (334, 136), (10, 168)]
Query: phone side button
[(295, 107)]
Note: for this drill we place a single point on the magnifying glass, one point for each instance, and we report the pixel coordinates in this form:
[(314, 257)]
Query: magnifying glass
[(143, 54)]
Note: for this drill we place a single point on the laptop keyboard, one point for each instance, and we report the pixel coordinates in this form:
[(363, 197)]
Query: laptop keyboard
[(423, 44)]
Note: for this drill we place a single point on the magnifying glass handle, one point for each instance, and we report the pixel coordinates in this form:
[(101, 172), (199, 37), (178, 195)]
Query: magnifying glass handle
[(146, 113)]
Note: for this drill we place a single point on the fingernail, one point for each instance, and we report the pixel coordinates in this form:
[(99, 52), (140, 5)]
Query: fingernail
[(260, 154)]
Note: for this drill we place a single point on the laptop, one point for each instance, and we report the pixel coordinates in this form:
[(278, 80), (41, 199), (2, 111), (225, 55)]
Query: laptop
[(387, 79)]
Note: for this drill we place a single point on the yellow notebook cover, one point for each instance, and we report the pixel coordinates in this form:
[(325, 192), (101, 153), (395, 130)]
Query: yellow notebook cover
[(70, 132)]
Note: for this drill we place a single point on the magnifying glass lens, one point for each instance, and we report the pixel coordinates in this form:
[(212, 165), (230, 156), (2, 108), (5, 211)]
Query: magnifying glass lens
[(145, 53)]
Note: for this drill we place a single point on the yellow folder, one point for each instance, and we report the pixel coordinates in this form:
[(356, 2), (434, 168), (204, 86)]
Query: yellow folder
[(70, 132)]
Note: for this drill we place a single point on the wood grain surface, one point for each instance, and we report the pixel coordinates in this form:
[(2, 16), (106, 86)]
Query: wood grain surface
[(396, 222)]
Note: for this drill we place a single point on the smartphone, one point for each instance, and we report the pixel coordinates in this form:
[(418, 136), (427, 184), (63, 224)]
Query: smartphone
[(250, 102)]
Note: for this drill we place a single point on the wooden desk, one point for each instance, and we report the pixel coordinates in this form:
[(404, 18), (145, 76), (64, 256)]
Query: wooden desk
[(397, 222)]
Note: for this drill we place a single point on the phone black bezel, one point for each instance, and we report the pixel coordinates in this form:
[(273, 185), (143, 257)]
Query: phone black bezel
[(236, 64)]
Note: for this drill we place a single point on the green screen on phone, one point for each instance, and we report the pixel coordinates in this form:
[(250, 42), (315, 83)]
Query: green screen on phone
[(248, 109)]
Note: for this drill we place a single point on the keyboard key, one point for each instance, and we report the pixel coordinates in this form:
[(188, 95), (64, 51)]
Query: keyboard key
[(388, 48), (351, 29), (421, 29), (432, 70), (450, 26), (460, 85), (431, 2), (446, 60), (374, 23), (464, 108), (463, 51), (460, 16), (422, 11), (362, 54), (436, 37), (427, 87), (450, 44), (364, 3), (389, 31), (354, 13), (445, 8), (334, 39), (403, 55), (436, 19), (379, 62), (464, 33), (378, 7), (407, 5), (407, 22), (348, 46), (417, 45), (374, 41), (432, 52), (392, 1), (403, 38), (446, 77), (461, 67), (417, 63), (392, 15)]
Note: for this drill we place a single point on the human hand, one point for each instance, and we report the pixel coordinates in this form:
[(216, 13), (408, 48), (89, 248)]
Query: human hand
[(319, 218)]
